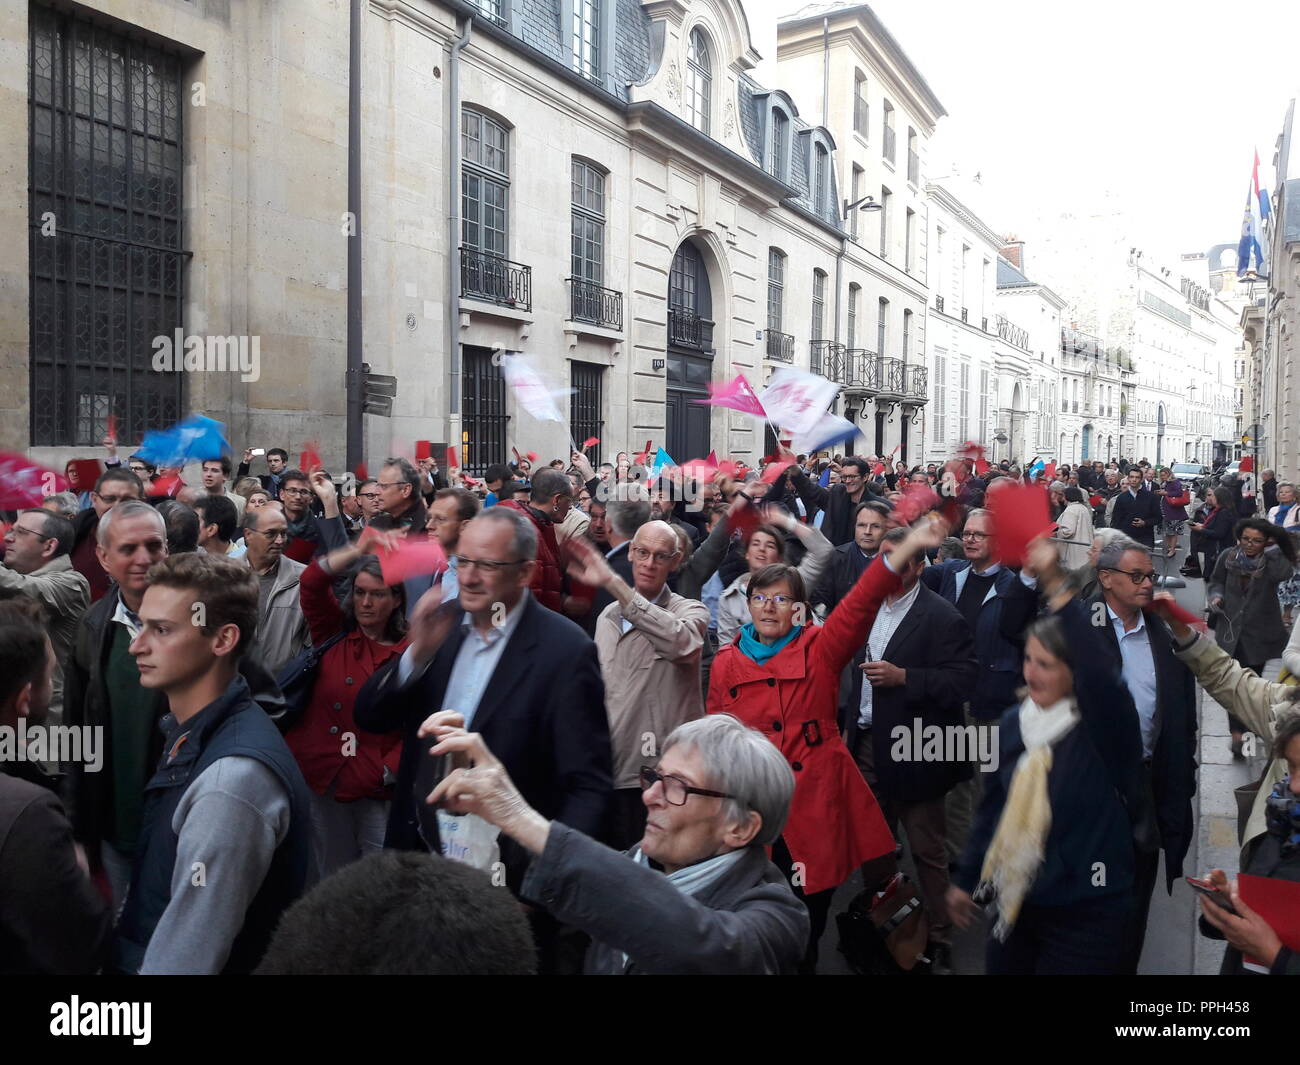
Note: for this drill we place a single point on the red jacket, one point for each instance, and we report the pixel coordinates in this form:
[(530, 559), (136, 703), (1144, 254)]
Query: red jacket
[(325, 741), (548, 578), (835, 823)]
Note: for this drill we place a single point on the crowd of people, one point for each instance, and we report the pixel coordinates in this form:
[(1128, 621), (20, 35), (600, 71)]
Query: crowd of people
[(632, 719)]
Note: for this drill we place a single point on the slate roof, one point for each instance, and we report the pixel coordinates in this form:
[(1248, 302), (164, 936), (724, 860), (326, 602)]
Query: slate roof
[(1010, 277)]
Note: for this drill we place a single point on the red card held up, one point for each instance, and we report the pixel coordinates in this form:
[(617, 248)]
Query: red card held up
[(1180, 613), (1248, 466), (423, 450), (746, 521), (917, 499), (88, 471), (1020, 514), (453, 460), (774, 470), (591, 441), (309, 462), (167, 484), (1277, 901), (362, 473), (412, 558)]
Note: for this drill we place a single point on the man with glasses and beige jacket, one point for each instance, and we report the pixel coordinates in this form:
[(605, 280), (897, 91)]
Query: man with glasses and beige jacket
[(649, 641)]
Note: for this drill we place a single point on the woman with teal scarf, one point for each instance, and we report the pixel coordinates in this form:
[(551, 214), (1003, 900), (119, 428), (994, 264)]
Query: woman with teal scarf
[(781, 676)]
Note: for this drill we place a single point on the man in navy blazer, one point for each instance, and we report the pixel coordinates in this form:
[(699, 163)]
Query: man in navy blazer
[(1164, 697), (1137, 510), (523, 676), (998, 605)]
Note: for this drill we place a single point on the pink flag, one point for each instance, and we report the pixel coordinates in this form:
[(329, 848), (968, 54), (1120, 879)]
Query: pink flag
[(738, 395), (411, 558), (25, 484)]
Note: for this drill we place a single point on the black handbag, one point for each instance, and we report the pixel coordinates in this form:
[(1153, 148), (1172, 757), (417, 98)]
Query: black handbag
[(297, 678)]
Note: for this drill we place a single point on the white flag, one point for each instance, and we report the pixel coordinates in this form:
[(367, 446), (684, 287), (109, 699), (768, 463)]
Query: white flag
[(530, 389), (796, 399)]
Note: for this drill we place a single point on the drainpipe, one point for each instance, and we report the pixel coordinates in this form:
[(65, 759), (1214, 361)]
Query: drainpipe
[(355, 353), (453, 232)]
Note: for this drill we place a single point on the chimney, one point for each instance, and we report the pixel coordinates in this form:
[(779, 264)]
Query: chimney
[(1014, 252)]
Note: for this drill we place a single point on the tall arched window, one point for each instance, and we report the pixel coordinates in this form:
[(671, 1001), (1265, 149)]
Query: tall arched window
[(775, 289), (699, 82), (821, 177), (778, 145), (818, 305)]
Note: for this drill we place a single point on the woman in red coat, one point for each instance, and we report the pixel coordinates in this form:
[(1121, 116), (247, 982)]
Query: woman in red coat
[(782, 677), (350, 772)]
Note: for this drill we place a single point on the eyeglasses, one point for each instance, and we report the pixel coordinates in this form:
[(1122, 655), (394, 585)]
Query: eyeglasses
[(641, 554), (1254, 540), (370, 495), (391, 484), (15, 529), (972, 534), (464, 564), (112, 501), (758, 599), (277, 534), (295, 491), (1137, 576), (676, 790)]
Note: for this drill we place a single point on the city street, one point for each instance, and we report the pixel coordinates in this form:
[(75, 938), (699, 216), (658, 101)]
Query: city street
[(1174, 946)]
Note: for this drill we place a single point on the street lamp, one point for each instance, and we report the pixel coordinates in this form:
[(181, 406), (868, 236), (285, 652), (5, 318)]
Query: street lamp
[(866, 203)]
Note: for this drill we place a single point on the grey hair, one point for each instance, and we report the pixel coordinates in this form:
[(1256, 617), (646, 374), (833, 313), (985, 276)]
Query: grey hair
[(66, 502), (128, 508), (523, 540), (1109, 556), (744, 763), (979, 512), (625, 516), (1108, 535)]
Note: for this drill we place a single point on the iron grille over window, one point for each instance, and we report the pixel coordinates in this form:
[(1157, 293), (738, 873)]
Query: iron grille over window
[(585, 407), (107, 264), (483, 401)]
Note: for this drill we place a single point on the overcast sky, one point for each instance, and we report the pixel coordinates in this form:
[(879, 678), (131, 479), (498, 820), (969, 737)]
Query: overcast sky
[(1055, 103)]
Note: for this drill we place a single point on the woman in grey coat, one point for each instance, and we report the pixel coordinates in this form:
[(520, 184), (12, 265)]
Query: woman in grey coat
[(697, 894), (1242, 596)]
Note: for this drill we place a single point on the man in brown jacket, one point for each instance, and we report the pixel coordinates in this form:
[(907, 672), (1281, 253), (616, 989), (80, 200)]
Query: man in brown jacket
[(649, 641)]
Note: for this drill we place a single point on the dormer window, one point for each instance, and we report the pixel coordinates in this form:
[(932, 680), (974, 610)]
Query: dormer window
[(820, 177), (699, 81)]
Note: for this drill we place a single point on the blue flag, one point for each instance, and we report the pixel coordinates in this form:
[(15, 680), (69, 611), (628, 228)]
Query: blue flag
[(192, 440)]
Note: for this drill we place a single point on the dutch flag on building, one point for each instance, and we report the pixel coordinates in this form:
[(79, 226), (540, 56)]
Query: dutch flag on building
[(1254, 241)]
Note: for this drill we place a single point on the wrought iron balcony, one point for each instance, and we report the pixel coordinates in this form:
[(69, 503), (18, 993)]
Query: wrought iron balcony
[(780, 346), (964, 313), (938, 303), (687, 329), (893, 377), (594, 305), (1012, 333), (829, 359), (490, 277), (918, 379), (863, 370)]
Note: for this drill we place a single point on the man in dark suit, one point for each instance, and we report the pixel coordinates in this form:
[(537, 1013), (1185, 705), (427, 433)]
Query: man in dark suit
[(870, 523), (997, 605), (1137, 510), (839, 501), (1164, 694), (916, 671), (524, 677)]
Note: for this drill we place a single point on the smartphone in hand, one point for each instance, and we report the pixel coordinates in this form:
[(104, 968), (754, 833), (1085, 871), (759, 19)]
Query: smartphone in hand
[(1204, 887)]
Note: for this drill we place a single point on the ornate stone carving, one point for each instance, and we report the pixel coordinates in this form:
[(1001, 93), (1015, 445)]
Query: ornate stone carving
[(729, 122), (674, 81)]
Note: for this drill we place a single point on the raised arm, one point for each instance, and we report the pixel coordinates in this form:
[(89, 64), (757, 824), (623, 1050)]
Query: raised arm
[(850, 622)]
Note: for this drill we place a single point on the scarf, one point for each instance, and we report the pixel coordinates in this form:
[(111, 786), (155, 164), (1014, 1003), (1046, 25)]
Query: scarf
[(1283, 509), (1016, 852), (1282, 815), (694, 879), (759, 652)]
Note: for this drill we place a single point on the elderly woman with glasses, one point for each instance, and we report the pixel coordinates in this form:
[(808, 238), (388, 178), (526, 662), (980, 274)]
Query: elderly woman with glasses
[(351, 773), (697, 894), (782, 677)]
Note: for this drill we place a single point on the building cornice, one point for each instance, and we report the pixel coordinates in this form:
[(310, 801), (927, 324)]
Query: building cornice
[(963, 214), (860, 26)]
